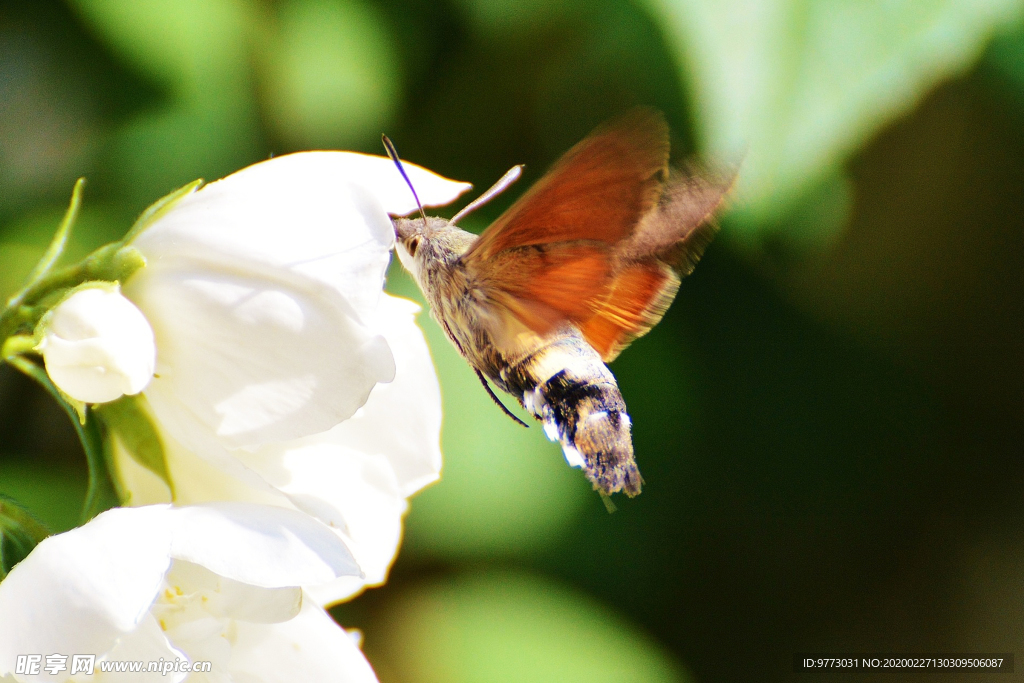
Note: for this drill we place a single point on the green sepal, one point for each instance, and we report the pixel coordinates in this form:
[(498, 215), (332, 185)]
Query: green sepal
[(123, 263), (60, 238), (104, 267), (128, 419), (20, 532), (159, 208), (113, 262), (16, 313), (18, 345)]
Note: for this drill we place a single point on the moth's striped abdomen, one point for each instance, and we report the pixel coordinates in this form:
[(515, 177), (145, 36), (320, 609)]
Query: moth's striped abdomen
[(567, 386)]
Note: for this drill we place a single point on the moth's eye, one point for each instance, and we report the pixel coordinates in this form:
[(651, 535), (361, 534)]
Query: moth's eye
[(412, 244)]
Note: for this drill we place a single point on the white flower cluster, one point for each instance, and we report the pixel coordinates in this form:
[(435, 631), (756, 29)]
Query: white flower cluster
[(297, 409)]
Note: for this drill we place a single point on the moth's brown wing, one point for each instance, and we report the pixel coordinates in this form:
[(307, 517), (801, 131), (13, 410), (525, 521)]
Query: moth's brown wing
[(588, 202), (547, 284), (679, 231), (649, 265), (598, 190), (638, 298)]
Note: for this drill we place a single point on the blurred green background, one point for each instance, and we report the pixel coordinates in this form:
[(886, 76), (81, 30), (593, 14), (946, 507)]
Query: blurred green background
[(829, 418)]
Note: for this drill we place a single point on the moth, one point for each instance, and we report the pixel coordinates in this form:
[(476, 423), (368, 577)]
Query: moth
[(586, 261)]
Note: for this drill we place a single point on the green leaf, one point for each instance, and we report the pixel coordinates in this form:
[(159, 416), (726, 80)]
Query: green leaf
[(128, 420), (812, 223), (20, 532), (1006, 56), (793, 87)]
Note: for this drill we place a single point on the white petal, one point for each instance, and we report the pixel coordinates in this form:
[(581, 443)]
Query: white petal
[(355, 492), (401, 420), (260, 605), (147, 643), (78, 592), (140, 485), (253, 356), (310, 647), (224, 598), (357, 476), (354, 477), (260, 545), (91, 590), (199, 481), (218, 476), (339, 590), (324, 214), (98, 346), (380, 175)]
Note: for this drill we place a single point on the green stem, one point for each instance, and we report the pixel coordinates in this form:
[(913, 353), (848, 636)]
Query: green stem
[(102, 494)]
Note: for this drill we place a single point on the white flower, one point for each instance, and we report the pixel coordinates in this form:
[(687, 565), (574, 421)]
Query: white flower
[(98, 346), (264, 291), (355, 477), (217, 583)]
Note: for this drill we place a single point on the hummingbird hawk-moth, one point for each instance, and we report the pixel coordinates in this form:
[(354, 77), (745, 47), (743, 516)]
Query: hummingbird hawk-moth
[(586, 261)]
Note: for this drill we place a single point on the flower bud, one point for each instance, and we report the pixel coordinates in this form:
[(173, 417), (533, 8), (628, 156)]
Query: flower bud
[(98, 346)]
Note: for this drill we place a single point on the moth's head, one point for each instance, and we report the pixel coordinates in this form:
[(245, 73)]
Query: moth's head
[(436, 241)]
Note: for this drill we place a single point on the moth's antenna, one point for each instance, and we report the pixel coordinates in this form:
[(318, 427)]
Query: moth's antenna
[(393, 153), (510, 177)]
